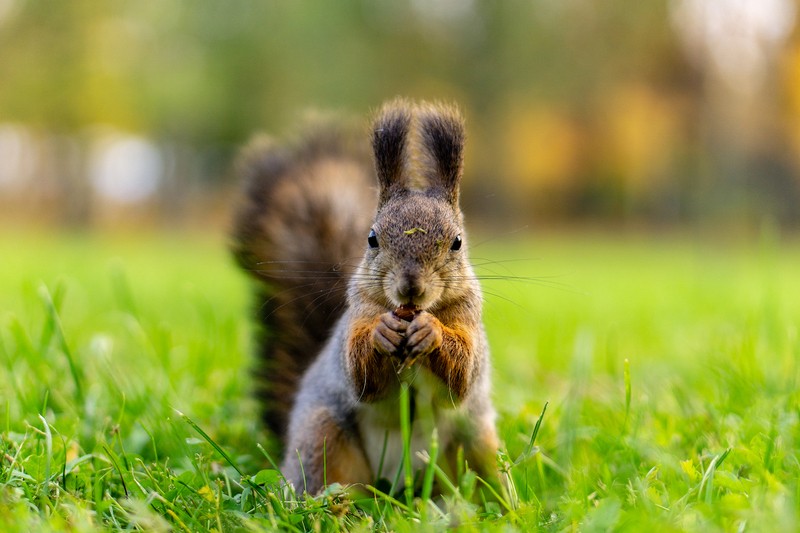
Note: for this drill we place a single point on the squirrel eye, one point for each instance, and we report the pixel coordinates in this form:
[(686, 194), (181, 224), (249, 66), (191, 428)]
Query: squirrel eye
[(456, 243), (372, 239)]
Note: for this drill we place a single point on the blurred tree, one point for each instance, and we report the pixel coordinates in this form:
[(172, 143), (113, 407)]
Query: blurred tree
[(574, 108)]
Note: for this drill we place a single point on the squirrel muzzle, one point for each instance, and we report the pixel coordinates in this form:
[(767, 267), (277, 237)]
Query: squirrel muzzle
[(410, 288)]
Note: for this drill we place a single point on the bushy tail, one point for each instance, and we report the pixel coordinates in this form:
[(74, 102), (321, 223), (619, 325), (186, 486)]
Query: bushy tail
[(300, 230)]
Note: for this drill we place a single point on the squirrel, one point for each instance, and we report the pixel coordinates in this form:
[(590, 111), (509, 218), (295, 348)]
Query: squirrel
[(359, 292)]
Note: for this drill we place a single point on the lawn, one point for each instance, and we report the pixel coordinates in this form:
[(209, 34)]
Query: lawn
[(668, 368)]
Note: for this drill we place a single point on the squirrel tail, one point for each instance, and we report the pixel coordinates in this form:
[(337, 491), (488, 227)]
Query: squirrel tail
[(299, 231)]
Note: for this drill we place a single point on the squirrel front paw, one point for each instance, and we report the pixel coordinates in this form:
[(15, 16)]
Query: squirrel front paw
[(389, 335), (423, 335)]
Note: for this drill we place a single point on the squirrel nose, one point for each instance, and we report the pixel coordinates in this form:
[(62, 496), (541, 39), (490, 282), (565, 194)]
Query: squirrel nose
[(410, 287)]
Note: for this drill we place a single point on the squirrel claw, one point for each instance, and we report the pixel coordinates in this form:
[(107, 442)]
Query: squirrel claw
[(389, 337), (423, 336)]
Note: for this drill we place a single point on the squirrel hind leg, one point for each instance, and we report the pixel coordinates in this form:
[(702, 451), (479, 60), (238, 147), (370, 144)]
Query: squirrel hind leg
[(479, 441), (323, 452)]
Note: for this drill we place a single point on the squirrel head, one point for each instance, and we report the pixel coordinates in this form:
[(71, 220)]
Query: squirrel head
[(415, 253)]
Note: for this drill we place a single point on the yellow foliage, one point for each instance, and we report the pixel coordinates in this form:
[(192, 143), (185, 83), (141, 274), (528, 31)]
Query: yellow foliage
[(654, 495), (790, 66), (639, 130), (542, 146), (688, 467), (106, 93), (207, 493)]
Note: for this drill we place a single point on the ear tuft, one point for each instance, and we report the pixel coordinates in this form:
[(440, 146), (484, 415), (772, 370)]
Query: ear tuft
[(389, 142), (442, 135)]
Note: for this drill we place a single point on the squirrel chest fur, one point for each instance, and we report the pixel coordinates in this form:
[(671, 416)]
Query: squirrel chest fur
[(360, 294)]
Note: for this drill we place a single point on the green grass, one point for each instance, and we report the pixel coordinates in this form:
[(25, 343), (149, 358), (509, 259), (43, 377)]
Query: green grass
[(669, 368)]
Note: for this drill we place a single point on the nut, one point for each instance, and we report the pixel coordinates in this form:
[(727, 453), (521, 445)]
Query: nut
[(406, 312)]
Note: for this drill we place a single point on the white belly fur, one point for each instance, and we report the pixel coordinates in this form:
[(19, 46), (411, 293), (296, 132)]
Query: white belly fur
[(379, 425)]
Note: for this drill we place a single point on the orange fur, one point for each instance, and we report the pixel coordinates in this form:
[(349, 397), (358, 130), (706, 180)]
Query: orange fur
[(373, 374)]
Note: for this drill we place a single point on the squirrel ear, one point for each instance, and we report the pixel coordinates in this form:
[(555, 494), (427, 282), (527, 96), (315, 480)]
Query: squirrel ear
[(389, 141), (442, 135)]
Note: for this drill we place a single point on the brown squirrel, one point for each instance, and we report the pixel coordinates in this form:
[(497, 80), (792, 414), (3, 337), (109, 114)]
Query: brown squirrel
[(339, 336)]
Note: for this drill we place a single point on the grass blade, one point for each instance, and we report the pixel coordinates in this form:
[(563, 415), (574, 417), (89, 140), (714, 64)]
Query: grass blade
[(54, 322), (531, 448), (708, 477), (627, 378), (48, 442), (220, 451), (405, 429), (433, 456)]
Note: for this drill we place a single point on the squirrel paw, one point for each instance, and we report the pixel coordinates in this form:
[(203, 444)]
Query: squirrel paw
[(389, 337), (423, 335)]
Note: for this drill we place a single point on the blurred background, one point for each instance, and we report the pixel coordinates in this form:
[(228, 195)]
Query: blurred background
[(666, 113)]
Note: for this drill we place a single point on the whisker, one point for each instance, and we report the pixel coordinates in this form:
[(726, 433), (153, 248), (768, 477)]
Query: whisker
[(541, 282), (326, 290), (499, 236), (321, 299), (504, 298)]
